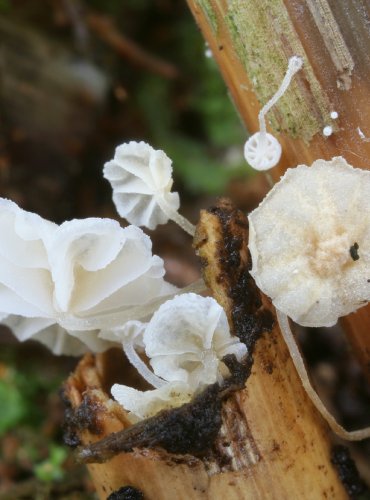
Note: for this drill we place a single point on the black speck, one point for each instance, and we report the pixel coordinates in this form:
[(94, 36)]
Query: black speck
[(347, 472), (368, 280), (126, 493), (354, 251)]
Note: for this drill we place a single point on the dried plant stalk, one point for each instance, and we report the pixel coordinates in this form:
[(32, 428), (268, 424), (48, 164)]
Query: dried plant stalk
[(272, 444), (252, 41)]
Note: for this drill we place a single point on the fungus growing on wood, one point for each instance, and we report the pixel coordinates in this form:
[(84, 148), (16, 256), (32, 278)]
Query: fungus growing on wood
[(262, 150), (185, 341), (141, 179), (310, 248)]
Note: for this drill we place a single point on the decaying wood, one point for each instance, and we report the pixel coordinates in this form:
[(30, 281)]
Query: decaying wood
[(252, 41), (270, 444)]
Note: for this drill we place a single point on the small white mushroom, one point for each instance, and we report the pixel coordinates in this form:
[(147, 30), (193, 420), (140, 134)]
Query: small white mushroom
[(185, 341), (187, 338), (62, 284), (141, 178), (145, 404), (310, 242), (262, 150), (310, 248)]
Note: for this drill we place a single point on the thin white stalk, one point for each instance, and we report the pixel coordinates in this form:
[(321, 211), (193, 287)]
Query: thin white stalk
[(141, 367), (294, 65), (303, 375), (181, 221)]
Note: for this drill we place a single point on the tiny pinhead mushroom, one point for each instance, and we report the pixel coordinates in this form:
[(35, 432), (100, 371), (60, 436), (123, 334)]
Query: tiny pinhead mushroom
[(262, 150), (310, 242), (327, 131), (141, 179)]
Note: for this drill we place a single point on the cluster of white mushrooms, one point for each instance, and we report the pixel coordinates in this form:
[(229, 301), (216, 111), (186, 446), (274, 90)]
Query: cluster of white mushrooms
[(90, 284)]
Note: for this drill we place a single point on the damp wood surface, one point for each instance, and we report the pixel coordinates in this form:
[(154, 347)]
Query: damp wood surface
[(271, 442), (252, 40)]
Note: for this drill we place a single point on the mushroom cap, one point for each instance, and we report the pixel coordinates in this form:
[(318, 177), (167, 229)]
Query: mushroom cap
[(78, 271), (310, 242), (186, 339), (262, 151), (141, 178), (145, 404)]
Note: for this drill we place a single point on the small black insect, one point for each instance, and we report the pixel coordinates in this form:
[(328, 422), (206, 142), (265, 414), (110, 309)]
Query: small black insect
[(354, 251)]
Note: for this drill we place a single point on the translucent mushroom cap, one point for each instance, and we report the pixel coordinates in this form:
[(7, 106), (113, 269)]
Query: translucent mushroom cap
[(141, 178), (310, 242), (62, 284), (187, 338)]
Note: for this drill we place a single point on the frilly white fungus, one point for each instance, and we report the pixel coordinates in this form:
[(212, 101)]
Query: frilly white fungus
[(145, 404), (262, 150), (56, 280), (310, 242), (141, 178), (187, 338), (185, 341)]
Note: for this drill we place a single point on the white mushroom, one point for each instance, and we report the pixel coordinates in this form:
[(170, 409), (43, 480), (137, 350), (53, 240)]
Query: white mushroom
[(187, 338), (310, 242), (262, 150), (310, 248), (62, 284), (141, 178), (185, 341), (145, 404)]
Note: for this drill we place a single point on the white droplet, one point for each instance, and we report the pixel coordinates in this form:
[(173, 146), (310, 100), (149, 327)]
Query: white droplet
[(334, 115), (327, 131)]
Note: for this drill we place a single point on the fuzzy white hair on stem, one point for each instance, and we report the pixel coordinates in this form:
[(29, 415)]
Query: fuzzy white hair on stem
[(141, 179)]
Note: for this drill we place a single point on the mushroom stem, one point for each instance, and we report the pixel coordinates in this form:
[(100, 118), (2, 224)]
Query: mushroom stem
[(141, 367), (312, 394), (181, 221), (295, 64)]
